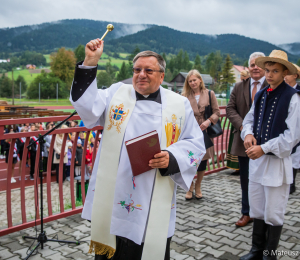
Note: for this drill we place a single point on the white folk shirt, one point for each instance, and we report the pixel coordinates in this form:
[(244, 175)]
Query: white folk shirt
[(296, 155), (270, 170), (131, 223)]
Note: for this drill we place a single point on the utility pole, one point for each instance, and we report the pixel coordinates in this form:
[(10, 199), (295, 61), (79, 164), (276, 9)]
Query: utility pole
[(20, 90), (13, 87), (57, 92), (39, 92)]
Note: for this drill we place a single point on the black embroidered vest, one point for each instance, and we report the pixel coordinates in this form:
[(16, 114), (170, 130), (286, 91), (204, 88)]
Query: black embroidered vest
[(271, 111)]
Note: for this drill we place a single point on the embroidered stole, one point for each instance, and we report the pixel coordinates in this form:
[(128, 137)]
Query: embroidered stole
[(102, 242)]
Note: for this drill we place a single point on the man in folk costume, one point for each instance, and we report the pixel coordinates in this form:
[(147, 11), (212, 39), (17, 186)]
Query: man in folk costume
[(291, 80), (270, 132), (241, 99), (134, 217)]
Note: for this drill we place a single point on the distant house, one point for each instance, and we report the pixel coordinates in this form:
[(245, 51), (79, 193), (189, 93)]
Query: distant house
[(164, 83), (178, 81), (30, 67), (236, 70), (4, 61)]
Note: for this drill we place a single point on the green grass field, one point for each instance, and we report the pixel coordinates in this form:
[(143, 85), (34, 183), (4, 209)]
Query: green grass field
[(35, 102), (47, 56), (29, 77)]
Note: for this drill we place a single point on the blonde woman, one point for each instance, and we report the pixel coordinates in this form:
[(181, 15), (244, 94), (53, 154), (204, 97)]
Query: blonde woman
[(194, 89), (58, 153)]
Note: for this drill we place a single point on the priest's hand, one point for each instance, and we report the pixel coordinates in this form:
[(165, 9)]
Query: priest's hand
[(93, 52), (254, 152), (249, 141), (161, 160)]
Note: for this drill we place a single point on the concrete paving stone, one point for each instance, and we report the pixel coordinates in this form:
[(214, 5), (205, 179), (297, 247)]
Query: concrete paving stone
[(244, 239), (193, 225), (230, 249), (214, 252), (196, 232), (228, 228), (229, 256), (215, 245), (78, 235), (191, 244), (229, 242), (292, 234), (56, 256), (178, 240), (14, 258), (209, 257), (194, 238), (181, 215), (211, 230), (181, 221), (5, 240), (14, 246), (227, 234), (292, 228), (65, 229), (244, 246), (196, 220), (77, 255), (194, 214), (181, 227), (211, 236), (5, 254), (66, 250), (177, 256), (296, 248), (242, 232), (195, 254), (190, 258), (177, 248), (286, 244), (180, 234), (83, 229)]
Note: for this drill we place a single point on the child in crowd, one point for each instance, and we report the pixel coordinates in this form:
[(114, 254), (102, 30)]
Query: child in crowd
[(88, 160), (270, 132), (78, 158), (82, 137), (68, 164)]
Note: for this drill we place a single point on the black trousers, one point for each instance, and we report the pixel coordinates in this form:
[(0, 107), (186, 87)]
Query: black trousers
[(32, 162), (244, 177), (128, 250)]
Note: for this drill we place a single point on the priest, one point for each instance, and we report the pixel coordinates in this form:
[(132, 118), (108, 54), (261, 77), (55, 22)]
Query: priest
[(134, 217)]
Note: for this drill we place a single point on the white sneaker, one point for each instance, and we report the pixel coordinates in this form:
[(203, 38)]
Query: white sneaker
[(13, 180)]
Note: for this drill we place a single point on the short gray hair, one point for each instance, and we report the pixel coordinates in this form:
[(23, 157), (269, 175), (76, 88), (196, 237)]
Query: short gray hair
[(160, 59), (255, 55)]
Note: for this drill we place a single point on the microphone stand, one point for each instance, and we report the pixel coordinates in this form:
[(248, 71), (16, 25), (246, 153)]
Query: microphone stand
[(42, 238)]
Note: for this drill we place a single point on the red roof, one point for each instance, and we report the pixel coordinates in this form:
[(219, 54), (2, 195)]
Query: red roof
[(240, 68)]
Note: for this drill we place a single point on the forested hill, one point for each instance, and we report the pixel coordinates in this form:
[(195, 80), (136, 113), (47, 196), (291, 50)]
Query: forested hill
[(48, 37), (164, 39), (64, 33)]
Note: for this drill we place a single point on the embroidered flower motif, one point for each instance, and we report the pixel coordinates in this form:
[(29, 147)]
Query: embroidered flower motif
[(128, 204), (195, 161)]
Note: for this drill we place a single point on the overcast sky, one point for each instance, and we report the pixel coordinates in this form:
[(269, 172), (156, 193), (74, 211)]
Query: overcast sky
[(276, 21)]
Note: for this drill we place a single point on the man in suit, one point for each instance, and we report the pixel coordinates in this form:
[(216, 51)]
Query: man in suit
[(240, 102), (291, 80)]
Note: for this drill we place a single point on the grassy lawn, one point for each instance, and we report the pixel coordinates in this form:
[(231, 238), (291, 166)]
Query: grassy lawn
[(25, 73), (47, 56), (35, 102)]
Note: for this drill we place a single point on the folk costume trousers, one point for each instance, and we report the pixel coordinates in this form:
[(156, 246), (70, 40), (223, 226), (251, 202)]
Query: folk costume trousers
[(127, 249), (268, 203), (244, 177)]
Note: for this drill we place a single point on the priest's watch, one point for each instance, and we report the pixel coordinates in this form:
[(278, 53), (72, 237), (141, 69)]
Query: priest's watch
[(209, 122)]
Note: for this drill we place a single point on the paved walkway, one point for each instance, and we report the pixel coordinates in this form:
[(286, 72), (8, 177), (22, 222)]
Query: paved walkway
[(204, 228)]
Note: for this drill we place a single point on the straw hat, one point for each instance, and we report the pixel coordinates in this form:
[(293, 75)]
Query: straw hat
[(245, 73), (298, 70), (279, 57)]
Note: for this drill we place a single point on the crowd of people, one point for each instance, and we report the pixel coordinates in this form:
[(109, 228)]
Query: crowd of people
[(57, 150)]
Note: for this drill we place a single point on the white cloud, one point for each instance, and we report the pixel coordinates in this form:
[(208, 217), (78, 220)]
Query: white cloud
[(273, 21)]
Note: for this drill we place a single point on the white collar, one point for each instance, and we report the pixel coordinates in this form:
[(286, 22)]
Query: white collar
[(295, 85), (261, 81)]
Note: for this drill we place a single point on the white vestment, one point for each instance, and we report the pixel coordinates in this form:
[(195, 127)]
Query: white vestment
[(131, 221)]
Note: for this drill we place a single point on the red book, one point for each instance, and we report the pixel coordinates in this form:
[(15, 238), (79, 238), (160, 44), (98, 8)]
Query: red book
[(141, 150)]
